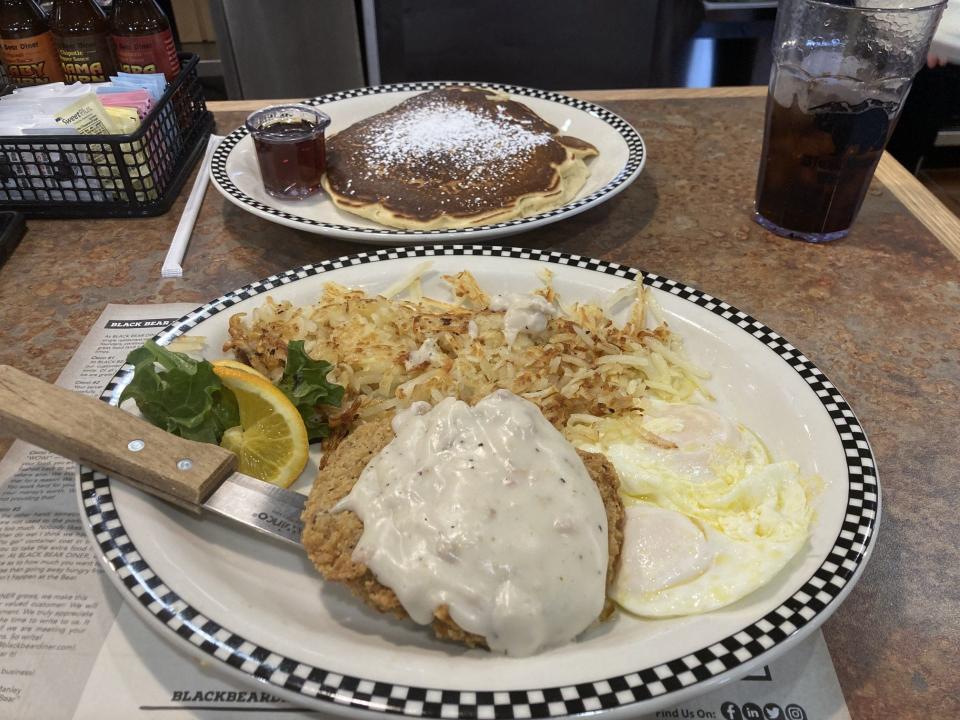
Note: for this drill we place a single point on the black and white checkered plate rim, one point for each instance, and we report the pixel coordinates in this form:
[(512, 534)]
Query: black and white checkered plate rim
[(825, 586), (633, 163)]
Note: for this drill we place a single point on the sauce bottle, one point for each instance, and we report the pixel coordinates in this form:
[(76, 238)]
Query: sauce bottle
[(26, 45), (82, 32), (143, 40)]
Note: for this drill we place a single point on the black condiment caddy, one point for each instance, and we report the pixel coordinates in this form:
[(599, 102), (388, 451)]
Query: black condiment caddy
[(98, 176)]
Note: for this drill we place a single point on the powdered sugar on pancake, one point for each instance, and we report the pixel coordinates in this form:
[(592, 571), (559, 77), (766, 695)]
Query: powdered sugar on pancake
[(465, 139)]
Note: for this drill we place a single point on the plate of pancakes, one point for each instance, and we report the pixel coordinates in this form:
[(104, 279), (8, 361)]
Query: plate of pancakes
[(445, 161), (259, 610)]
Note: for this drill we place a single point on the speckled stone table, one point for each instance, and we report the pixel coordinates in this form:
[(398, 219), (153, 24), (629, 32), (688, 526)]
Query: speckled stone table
[(879, 312)]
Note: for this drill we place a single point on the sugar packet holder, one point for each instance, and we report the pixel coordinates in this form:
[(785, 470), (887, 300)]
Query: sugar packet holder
[(66, 175), (88, 116)]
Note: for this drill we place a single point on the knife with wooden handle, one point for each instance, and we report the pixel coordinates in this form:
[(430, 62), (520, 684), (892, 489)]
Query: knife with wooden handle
[(196, 476)]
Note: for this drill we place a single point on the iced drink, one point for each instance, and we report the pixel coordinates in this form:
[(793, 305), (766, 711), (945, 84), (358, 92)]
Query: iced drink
[(842, 69), (820, 150)]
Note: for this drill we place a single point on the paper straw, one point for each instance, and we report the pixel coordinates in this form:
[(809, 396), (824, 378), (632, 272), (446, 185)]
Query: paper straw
[(181, 238)]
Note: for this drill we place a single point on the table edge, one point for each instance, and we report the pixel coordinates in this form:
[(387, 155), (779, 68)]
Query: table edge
[(922, 204), (609, 95)]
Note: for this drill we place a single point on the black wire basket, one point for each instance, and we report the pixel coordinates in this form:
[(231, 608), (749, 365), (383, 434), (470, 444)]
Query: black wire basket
[(90, 176)]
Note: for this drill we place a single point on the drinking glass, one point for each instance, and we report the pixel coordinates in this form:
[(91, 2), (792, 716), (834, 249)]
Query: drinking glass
[(841, 71)]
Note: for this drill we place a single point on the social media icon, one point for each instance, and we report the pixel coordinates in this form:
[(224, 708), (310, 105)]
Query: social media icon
[(751, 711), (772, 711), (795, 712), (730, 711)]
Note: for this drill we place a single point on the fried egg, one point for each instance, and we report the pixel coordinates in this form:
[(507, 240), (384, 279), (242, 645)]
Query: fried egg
[(709, 517)]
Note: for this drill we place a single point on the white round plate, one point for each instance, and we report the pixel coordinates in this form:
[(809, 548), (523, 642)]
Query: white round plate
[(234, 170), (258, 608)]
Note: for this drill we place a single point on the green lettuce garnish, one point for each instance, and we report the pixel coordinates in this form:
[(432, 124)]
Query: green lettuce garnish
[(305, 382), (184, 396)]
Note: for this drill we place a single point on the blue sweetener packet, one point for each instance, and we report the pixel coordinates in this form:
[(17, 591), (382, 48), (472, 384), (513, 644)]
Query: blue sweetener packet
[(123, 85), (153, 83), (110, 89)]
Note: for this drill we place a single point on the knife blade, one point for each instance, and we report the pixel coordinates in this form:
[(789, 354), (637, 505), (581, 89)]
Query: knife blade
[(259, 505), (195, 476)]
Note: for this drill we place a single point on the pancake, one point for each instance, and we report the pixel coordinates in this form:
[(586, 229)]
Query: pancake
[(330, 538), (453, 158)]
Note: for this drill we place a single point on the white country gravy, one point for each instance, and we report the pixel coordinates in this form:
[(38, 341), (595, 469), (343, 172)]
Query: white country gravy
[(490, 511), (428, 352), (522, 313)]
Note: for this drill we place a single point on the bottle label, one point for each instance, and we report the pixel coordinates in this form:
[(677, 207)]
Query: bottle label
[(85, 58), (148, 54), (31, 60)]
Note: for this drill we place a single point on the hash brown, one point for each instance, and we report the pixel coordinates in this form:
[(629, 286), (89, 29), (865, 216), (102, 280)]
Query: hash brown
[(583, 364)]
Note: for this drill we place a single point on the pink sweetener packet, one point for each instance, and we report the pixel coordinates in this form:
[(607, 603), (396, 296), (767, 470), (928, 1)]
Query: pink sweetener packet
[(139, 100)]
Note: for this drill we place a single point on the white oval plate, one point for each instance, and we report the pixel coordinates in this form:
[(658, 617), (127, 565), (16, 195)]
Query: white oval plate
[(235, 173), (259, 609)]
